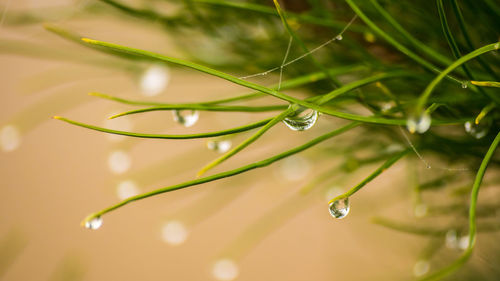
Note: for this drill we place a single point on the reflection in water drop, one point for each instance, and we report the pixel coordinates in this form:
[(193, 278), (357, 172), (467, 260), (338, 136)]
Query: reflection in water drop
[(294, 168), (119, 162), (339, 208), (225, 270), (302, 119), (339, 37), (94, 223), (187, 118), (10, 138), (451, 239), (421, 267), (464, 84), (420, 210), (154, 80), (121, 124), (477, 130), (420, 124), (220, 146), (174, 233), (127, 189)]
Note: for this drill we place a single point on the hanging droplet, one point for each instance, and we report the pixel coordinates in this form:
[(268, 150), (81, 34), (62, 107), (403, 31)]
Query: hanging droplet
[(126, 189), (420, 210), (10, 138), (119, 162), (478, 130), (154, 80), (451, 239), (387, 106), (339, 208), (421, 267), (94, 223), (225, 270), (339, 37), (465, 84), (420, 124), (294, 168), (220, 146), (174, 233), (187, 118), (302, 119)]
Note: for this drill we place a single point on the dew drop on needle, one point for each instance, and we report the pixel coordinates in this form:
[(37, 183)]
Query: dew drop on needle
[(94, 223), (186, 118), (302, 119), (339, 208), (419, 124)]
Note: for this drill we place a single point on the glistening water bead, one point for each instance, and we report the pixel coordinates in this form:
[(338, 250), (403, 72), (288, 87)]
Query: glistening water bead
[(219, 146), (477, 130), (419, 124), (187, 118), (302, 119), (339, 208), (94, 223)]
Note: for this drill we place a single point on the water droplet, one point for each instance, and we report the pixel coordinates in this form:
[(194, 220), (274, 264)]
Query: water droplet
[(339, 208), (463, 242), (187, 118), (10, 138), (127, 189), (387, 106), (220, 146), (154, 80), (174, 233), (478, 130), (94, 223), (294, 168), (420, 210), (451, 240), (302, 119), (119, 162), (339, 37), (121, 124), (420, 124), (465, 84), (421, 267), (225, 270)]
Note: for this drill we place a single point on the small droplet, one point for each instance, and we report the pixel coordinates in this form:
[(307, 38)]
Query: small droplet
[(339, 37), (294, 168), (154, 80), (463, 242), (187, 118), (94, 223), (220, 146), (478, 130), (10, 138), (119, 162), (127, 189), (451, 240), (421, 267), (387, 106), (420, 210), (420, 124), (302, 119), (465, 84), (225, 270), (174, 233), (339, 208)]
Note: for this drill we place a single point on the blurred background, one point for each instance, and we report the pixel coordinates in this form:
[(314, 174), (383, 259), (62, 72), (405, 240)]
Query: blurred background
[(268, 224)]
